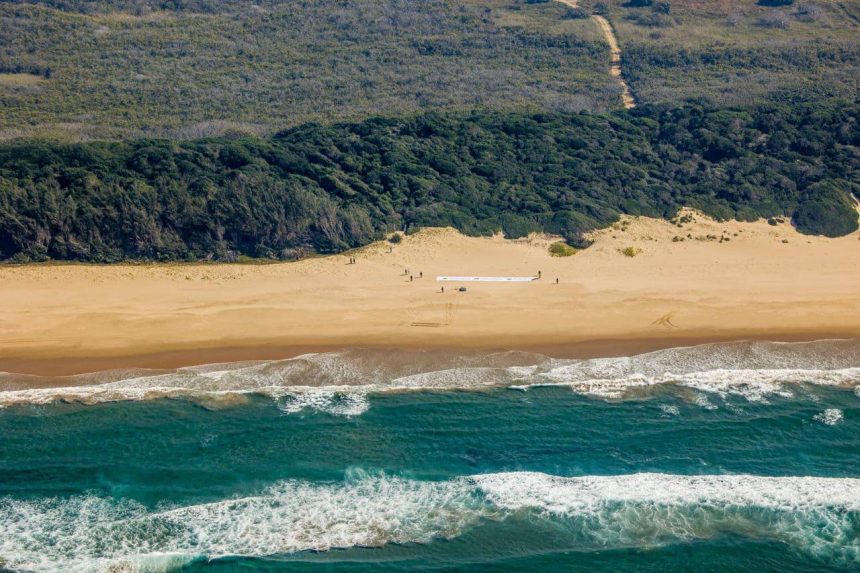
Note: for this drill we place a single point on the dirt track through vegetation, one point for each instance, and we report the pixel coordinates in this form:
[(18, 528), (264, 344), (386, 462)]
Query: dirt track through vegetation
[(615, 54)]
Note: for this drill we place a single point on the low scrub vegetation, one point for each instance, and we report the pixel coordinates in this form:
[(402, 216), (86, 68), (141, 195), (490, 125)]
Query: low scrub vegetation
[(738, 53), (184, 69), (329, 188), (561, 249)]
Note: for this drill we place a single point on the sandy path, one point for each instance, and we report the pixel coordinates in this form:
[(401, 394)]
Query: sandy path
[(765, 281), (615, 55), (615, 66)]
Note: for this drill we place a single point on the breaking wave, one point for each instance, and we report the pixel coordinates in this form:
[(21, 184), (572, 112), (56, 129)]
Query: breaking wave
[(340, 382), (817, 516)]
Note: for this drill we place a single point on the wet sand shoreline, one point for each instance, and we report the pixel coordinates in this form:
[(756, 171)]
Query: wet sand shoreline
[(63, 366)]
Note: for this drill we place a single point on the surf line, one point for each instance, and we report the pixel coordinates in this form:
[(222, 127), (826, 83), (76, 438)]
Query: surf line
[(614, 54)]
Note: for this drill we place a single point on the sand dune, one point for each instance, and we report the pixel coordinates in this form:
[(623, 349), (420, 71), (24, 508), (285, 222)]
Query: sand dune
[(723, 281)]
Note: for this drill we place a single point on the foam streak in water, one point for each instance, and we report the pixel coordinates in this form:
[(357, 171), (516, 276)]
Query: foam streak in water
[(93, 533), (819, 516)]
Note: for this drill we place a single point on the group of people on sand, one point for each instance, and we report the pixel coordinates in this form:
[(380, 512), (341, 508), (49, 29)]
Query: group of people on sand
[(352, 261), (540, 275), (411, 276)]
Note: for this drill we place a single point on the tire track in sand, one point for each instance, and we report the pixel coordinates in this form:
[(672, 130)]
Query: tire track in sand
[(614, 52)]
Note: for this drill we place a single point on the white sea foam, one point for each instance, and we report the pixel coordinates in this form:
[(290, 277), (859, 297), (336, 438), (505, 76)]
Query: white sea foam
[(339, 402), (816, 515), (92, 533), (702, 401), (830, 417), (614, 378), (340, 382), (670, 410), (588, 494)]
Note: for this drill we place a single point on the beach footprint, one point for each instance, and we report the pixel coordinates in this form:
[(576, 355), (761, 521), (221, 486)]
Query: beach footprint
[(666, 320)]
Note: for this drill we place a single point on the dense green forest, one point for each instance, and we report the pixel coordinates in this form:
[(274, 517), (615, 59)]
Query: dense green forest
[(329, 188)]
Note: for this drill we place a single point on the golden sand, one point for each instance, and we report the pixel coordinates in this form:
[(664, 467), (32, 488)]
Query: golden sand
[(724, 281)]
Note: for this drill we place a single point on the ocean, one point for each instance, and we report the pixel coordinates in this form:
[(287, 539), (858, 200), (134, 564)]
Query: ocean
[(721, 457)]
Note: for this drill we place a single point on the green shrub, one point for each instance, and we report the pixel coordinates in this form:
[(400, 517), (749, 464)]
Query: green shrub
[(561, 249), (576, 13), (826, 210)]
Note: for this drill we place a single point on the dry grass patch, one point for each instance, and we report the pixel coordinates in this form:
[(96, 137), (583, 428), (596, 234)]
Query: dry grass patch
[(21, 80)]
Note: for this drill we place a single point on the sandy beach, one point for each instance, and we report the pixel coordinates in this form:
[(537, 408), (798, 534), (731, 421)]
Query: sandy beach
[(723, 281)]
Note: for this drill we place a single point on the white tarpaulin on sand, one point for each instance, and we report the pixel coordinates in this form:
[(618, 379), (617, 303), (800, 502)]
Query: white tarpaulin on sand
[(487, 279)]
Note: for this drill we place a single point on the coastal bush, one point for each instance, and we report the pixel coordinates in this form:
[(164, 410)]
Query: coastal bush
[(577, 13), (189, 69), (651, 20), (809, 13), (327, 188), (185, 69), (630, 251), (774, 20), (825, 210), (710, 52)]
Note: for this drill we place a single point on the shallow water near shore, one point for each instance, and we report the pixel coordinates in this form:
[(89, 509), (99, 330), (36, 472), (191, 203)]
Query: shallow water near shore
[(725, 457)]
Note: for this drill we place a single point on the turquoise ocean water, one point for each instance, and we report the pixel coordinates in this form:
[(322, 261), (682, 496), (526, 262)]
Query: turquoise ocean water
[(720, 457)]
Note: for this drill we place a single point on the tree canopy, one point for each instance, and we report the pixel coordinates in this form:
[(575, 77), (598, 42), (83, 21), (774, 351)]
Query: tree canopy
[(329, 188)]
